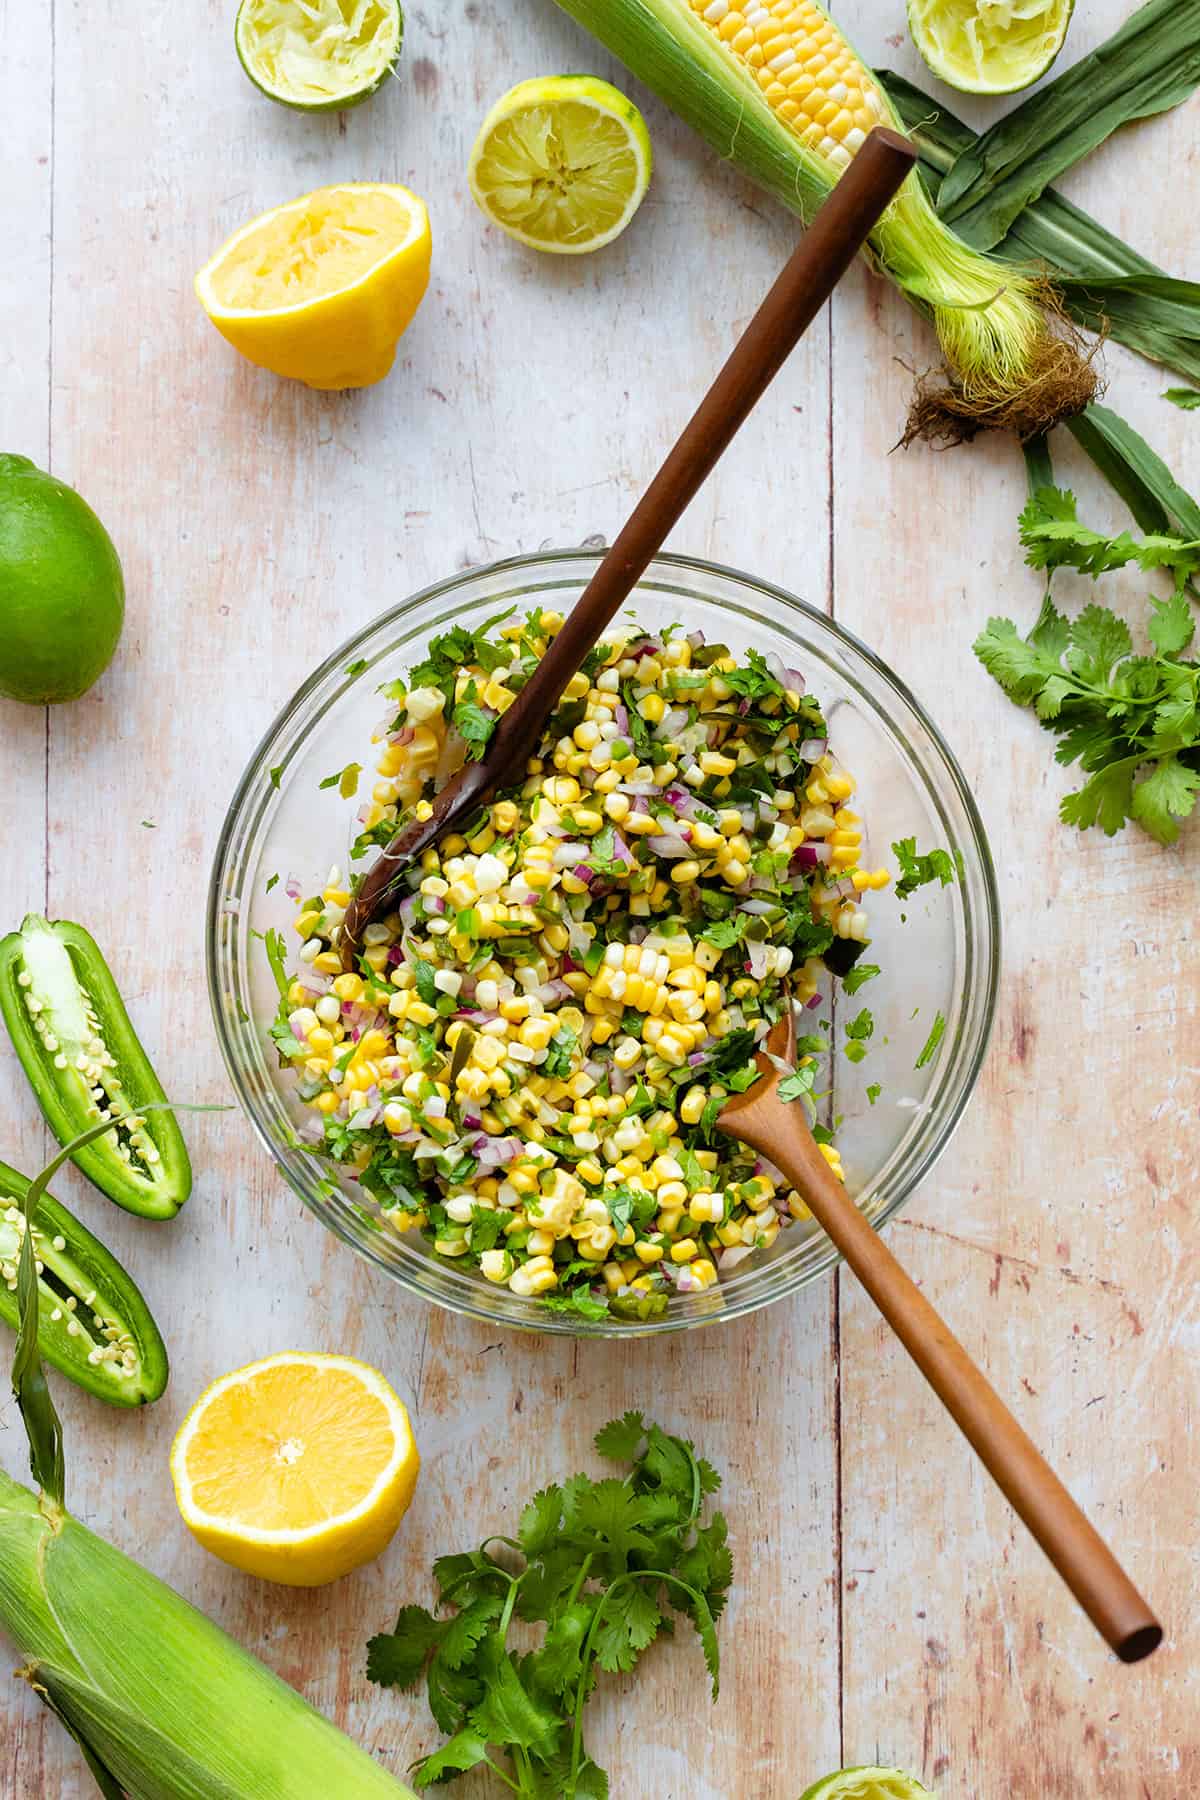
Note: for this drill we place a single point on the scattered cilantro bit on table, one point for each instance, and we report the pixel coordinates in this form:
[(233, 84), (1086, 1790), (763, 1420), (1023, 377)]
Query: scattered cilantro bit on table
[(873, 1092), (598, 1563), (1186, 399)]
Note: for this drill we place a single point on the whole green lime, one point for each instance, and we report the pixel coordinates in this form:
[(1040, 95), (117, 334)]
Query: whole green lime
[(62, 594)]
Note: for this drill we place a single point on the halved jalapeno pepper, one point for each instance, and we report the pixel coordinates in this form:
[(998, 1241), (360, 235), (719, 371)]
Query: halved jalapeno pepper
[(93, 1324), (70, 1029)]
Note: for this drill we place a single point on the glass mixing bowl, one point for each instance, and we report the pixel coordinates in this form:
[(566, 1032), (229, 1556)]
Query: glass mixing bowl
[(938, 951)]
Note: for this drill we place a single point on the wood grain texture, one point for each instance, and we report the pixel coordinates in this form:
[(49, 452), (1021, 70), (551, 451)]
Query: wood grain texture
[(885, 1606)]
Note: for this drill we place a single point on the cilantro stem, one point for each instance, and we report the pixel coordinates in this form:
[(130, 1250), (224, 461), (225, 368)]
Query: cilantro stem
[(589, 1647), (497, 1770), (579, 1580)]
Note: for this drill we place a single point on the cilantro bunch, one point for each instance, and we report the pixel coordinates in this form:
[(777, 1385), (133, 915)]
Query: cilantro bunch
[(594, 1562), (1132, 723)]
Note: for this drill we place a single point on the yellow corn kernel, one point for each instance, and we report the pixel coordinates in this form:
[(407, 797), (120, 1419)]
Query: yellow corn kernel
[(702, 1271), (326, 1103), (524, 1180), (653, 706), (603, 1030), (320, 1041), (647, 1252), (684, 1249), (692, 1105), (349, 987)]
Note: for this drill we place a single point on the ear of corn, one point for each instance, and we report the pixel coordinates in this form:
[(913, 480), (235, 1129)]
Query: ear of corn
[(166, 1703), (775, 87)]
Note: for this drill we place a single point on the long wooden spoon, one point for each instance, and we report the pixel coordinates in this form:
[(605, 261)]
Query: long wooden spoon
[(825, 252), (779, 1129)]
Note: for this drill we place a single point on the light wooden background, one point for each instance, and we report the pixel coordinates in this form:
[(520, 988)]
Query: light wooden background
[(886, 1607)]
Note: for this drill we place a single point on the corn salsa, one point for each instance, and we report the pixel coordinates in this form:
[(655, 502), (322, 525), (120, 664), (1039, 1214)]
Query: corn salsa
[(528, 1061)]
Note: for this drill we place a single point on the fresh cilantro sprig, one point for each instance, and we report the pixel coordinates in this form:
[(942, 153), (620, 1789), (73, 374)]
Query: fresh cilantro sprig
[(598, 1564), (1132, 723)]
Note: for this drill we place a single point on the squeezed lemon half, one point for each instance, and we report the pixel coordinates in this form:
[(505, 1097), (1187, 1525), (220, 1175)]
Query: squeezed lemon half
[(989, 46), (298, 1468), (322, 288), (319, 55), (562, 163)]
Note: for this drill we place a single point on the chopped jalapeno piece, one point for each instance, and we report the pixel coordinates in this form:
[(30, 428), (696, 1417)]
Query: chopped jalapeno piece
[(70, 1029), (93, 1324)]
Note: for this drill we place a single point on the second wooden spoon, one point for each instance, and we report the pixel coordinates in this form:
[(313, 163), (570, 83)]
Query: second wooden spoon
[(779, 1130)]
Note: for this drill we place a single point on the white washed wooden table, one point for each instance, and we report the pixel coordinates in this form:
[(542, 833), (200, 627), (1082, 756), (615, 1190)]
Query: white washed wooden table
[(886, 1606)]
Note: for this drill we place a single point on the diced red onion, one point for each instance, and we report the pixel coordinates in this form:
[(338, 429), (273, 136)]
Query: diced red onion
[(401, 738), (408, 909), (696, 1058), (638, 933), (593, 1069), (796, 680), (813, 1003), (696, 639), (643, 647), (475, 1015), (581, 872), (638, 788), (493, 1152), (312, 981), (292, 888), (729, 1258), (472, 1121), (365, 1117), (551, 992), (813, 749), (669, 848), (621, 718), (775, 665), (435, 903), (619, 1080), (845, 889), (758, 907)]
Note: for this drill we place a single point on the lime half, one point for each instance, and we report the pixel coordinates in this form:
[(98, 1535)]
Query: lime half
[(989, 46), (868, 1784), (562, 163), (319, 55)]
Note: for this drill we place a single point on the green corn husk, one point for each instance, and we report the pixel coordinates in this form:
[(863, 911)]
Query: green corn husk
[(1150, 65), (1012, 359), (168, 1705), (1104, 284)]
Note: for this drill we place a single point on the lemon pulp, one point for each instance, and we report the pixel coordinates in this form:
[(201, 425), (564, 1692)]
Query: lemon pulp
[(562, 163)]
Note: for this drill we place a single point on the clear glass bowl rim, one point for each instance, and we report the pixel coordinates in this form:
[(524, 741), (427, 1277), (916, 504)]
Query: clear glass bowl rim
[(427, 1280)]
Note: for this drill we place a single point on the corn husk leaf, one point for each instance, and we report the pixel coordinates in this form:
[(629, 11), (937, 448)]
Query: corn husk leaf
[(1104, 284), (1137, 472), (1151, 64)]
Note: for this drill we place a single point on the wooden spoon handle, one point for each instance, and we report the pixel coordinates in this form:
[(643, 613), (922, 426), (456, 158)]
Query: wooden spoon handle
[(1073, 1545), (836, 235)]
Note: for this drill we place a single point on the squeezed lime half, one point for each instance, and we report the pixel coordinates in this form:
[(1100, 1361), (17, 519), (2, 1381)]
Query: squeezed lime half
[(562, 163), (319, 55), (989, 46), (868, 1784)]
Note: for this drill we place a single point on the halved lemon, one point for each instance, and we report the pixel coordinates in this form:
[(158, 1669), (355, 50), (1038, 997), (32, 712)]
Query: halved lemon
[(319, 55), (298, 1468), (322, 288), (989, 46), (562, 163), (868, 1784)]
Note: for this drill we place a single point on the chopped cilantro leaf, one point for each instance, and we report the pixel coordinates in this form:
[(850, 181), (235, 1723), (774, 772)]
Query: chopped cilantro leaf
[(919, 867), (931, 1043)]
